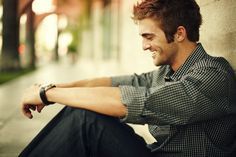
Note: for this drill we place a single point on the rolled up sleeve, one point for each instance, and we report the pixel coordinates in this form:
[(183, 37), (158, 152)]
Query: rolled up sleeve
[(194, 98), (134, 98), (142, 80)]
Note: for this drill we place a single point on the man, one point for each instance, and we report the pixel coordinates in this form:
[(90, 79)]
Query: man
[(189, 102)]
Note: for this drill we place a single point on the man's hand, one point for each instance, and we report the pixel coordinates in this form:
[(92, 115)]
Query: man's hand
[(31, 101)]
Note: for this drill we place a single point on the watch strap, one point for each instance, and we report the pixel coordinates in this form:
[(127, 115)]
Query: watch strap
[(42, 93)]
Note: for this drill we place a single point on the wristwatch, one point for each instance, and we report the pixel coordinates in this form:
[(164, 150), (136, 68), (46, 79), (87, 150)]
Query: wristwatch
[(42, 93)]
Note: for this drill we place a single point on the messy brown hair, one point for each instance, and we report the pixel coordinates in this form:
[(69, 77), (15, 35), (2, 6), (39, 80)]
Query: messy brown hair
[(171, 14)]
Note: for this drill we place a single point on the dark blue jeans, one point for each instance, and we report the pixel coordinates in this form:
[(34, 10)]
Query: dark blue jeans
[(81, 133)]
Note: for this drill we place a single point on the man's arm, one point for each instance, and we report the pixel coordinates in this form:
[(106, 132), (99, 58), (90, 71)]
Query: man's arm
[(201, 94), (104, 100), (96, 95), (96, 82)]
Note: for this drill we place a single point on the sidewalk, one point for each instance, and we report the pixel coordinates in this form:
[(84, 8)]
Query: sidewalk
[(16, 131)]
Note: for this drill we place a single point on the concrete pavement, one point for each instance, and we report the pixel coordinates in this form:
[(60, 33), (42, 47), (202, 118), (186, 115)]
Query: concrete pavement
[(16, 131)]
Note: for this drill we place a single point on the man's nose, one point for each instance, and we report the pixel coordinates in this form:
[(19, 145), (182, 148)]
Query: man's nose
[(146, 45)]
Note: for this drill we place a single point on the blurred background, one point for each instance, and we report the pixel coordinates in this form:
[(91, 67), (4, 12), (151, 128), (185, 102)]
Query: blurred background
[(35, 32), (65, 40)]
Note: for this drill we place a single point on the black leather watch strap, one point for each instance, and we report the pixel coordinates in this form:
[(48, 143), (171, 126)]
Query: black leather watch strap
[(42, 93)]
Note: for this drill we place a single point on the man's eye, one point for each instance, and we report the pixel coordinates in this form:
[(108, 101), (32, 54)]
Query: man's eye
[(149, 37)]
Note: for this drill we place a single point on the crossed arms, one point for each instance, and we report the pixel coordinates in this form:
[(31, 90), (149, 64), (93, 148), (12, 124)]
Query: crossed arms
[(96, 95)]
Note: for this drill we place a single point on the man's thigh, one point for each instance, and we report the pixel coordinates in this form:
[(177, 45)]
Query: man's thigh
[(77, 132), (109, 137)]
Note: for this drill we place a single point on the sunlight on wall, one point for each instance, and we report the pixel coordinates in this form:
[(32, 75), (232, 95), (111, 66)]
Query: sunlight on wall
[(218, 31), (23, 19), (133, 58), (64, 40), (43, 6), (47, 32), (46, 36)]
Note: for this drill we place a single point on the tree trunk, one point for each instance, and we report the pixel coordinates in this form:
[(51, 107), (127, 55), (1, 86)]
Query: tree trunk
[(30, 37), (10, 56)]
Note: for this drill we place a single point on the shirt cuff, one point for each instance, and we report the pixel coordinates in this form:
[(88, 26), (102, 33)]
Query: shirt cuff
[(121, 80), (134, 99)]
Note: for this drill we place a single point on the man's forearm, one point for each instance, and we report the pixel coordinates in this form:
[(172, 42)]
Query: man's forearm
[(104, 100), (97, 82)]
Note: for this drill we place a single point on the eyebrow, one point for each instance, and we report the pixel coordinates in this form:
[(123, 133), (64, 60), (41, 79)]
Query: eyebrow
[(146, 34)]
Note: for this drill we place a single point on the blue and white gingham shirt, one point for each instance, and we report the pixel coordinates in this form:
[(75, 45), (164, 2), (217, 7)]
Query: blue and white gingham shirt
[(190, 112)]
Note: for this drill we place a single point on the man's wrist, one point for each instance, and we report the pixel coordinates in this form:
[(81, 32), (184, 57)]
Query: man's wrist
[(42, 93)]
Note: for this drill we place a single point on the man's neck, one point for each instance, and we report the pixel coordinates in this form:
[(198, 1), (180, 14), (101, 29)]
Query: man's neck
[(184, 51)]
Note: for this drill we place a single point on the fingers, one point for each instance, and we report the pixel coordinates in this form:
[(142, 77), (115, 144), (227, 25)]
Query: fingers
[(39, 108), (31, 101), (32, 107), (26, 111)]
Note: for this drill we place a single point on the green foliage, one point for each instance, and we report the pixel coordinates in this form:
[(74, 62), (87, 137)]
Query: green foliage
[(7, 76), (75, 32), (72, 48)]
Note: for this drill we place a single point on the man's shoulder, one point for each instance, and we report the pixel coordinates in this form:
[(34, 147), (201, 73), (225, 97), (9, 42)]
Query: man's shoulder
[(210, 62)]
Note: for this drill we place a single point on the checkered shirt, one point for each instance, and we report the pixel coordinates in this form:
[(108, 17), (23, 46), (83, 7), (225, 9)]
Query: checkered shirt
[(190, 112)]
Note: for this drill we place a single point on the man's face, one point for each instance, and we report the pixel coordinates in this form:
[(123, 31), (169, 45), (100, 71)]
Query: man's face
[(155, 41)]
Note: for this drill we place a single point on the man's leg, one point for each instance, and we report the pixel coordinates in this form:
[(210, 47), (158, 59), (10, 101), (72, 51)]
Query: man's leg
[(75, 132)]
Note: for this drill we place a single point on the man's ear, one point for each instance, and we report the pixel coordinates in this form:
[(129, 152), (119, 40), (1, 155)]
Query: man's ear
[(180, 34)]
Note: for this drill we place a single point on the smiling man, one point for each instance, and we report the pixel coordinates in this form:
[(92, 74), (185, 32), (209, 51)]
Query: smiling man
[(189, 102), (174, 53)]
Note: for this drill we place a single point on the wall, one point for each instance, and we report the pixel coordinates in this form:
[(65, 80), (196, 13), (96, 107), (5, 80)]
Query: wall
[(218, 32), (133, 58)]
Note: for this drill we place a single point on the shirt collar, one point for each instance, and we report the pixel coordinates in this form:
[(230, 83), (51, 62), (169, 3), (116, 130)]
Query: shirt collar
[(197, 54)]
